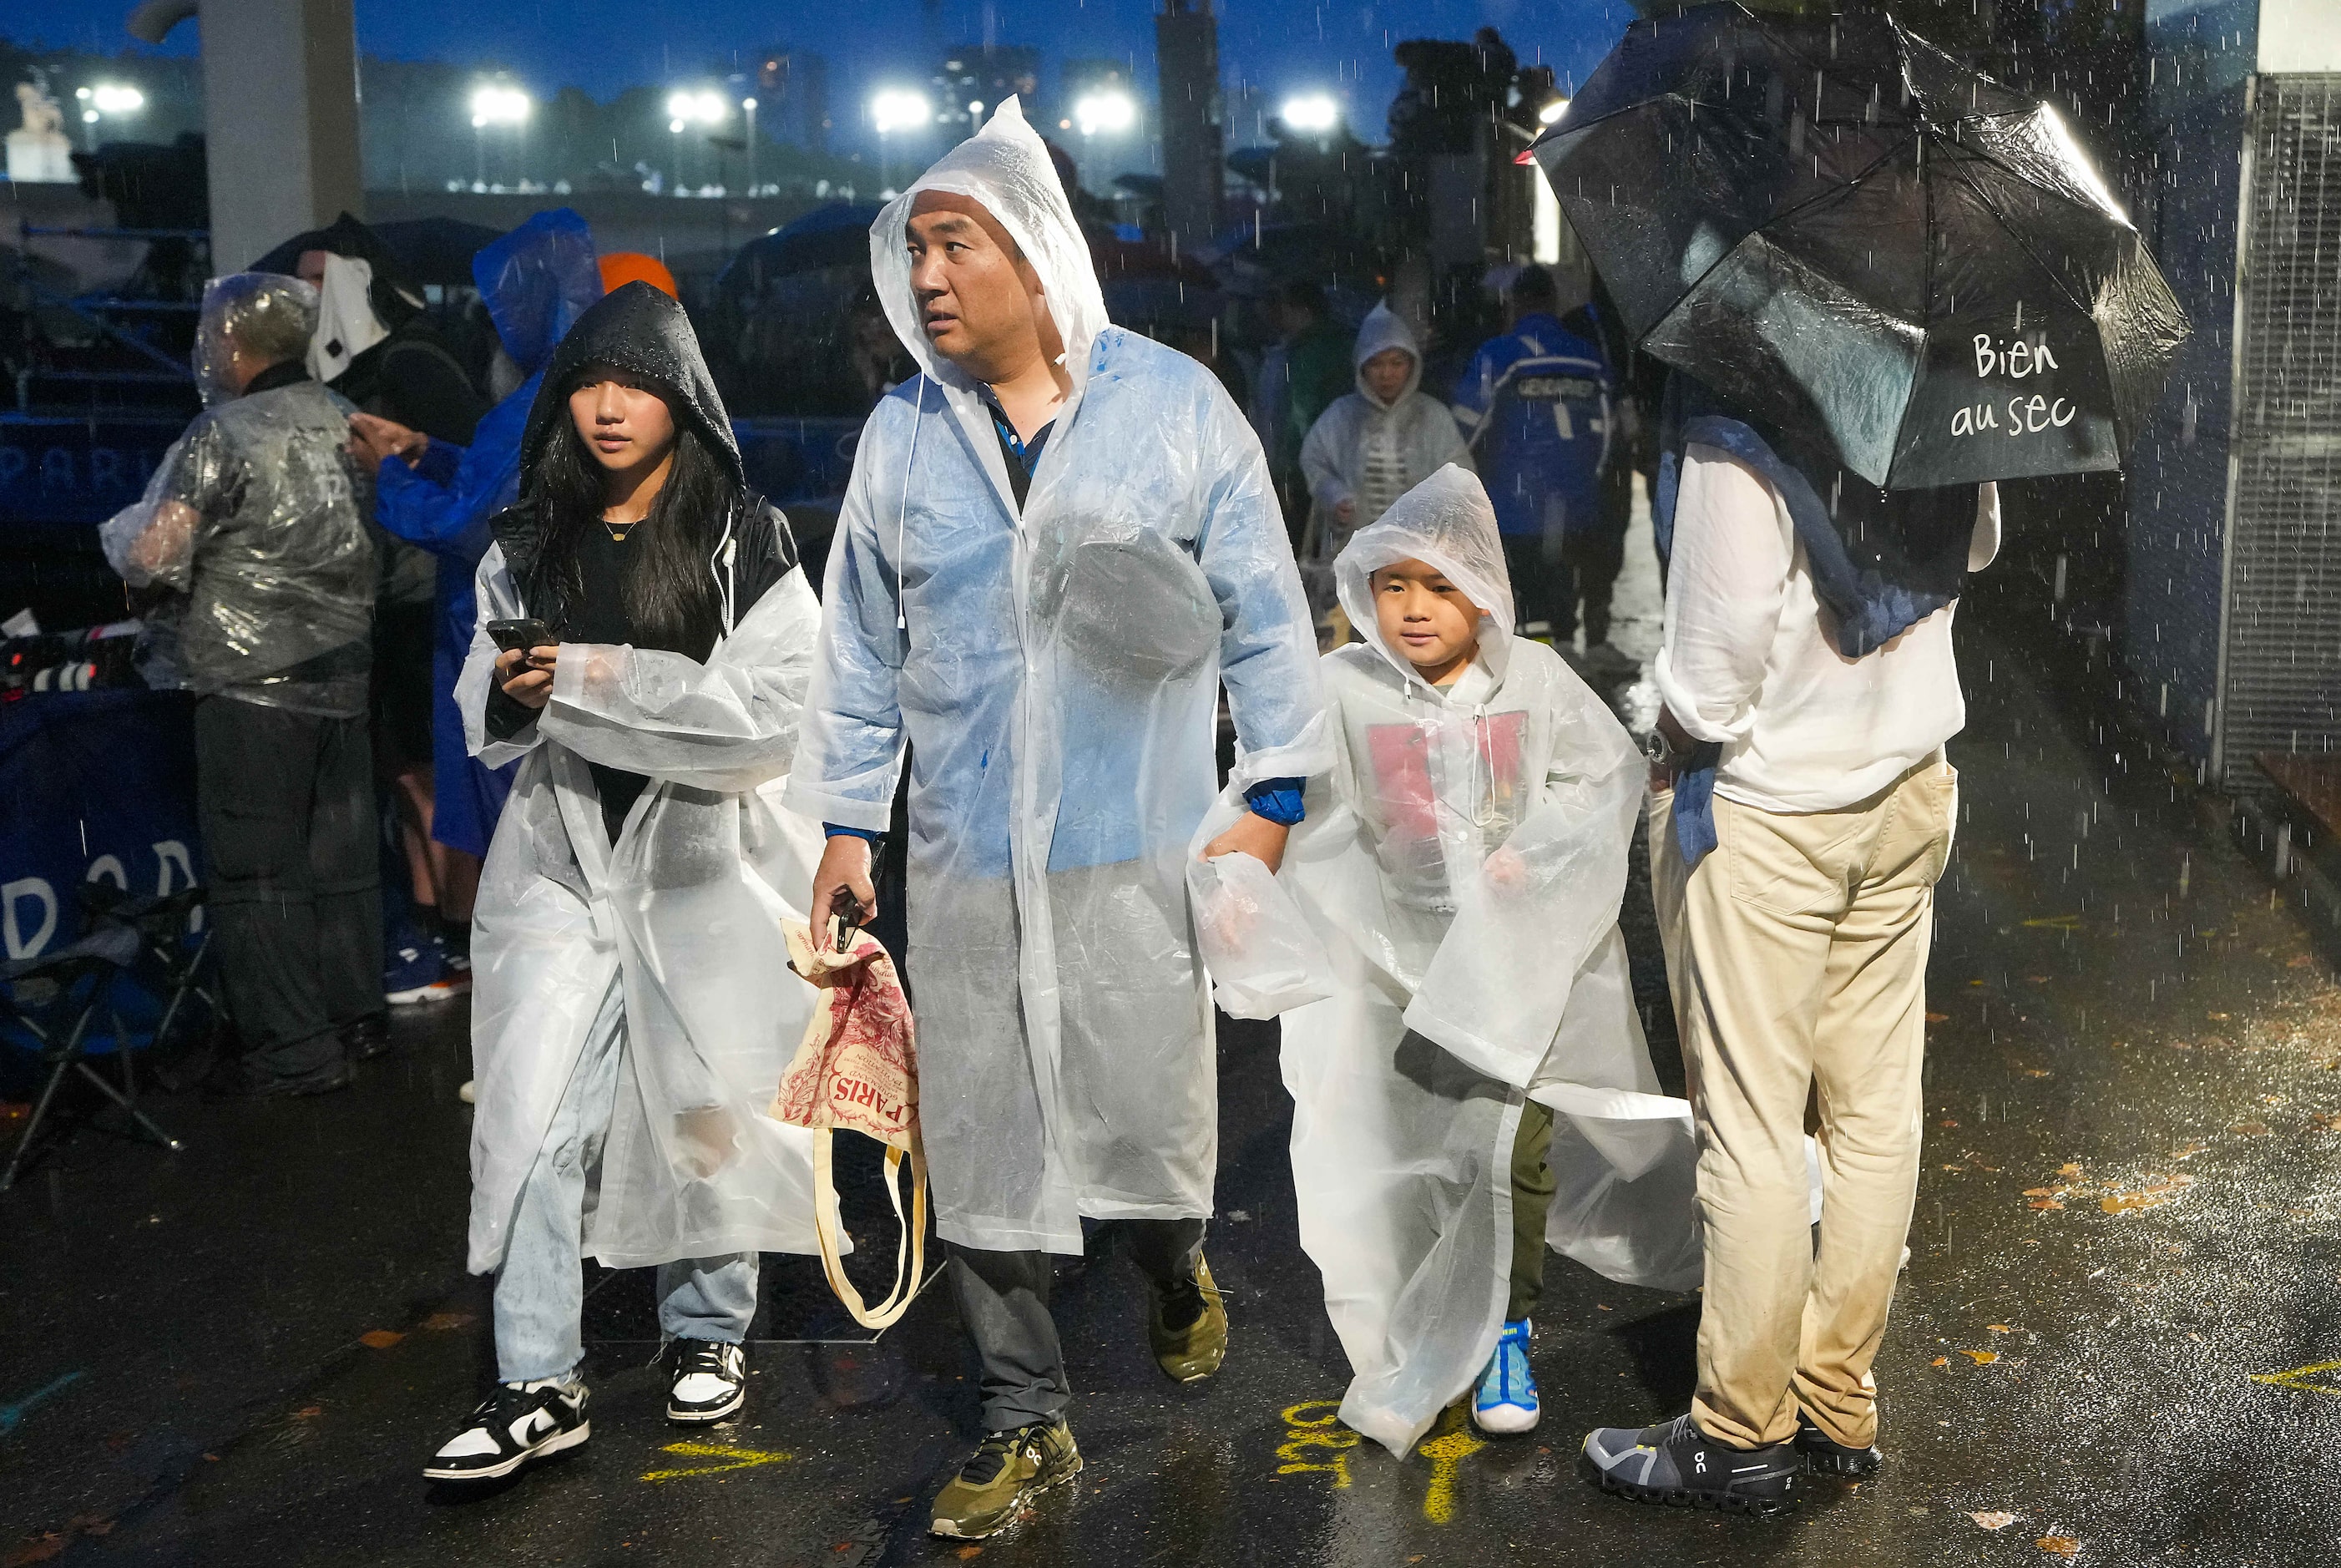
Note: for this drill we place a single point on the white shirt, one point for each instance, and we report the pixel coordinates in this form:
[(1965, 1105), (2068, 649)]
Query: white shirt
[(1742, 659)]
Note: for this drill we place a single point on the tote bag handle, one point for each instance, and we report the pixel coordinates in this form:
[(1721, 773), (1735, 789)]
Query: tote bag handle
[(911, 1250)]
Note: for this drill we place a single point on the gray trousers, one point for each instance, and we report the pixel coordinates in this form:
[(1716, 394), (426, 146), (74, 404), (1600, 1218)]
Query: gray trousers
[(1003, 1300)]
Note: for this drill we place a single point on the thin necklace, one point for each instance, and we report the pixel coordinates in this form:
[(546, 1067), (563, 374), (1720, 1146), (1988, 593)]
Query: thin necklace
[(617, 531)]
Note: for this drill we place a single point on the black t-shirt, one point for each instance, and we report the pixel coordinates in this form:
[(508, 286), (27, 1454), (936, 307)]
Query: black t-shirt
[(765, 554)]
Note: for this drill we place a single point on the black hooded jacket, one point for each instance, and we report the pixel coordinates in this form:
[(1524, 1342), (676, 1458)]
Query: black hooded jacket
[(641, 330)]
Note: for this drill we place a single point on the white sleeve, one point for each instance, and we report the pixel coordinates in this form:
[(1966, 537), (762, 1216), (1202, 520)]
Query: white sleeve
[(1983, 545), (1725, 584)]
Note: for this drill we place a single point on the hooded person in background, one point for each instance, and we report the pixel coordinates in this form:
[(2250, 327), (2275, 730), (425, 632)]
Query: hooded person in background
[(1372, 445), (1060, 542), (1303, 371), (258, 515), (535, 282), (633, 1007), (375, 346)]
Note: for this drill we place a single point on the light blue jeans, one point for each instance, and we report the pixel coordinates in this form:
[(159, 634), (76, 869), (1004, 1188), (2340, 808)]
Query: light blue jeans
[(541, 1288)]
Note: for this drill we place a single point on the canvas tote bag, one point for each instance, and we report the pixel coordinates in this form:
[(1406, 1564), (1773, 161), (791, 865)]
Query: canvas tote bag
[(857, 1067)]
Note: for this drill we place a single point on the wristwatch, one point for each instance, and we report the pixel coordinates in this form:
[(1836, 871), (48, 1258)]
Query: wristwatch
[(1661, 751)]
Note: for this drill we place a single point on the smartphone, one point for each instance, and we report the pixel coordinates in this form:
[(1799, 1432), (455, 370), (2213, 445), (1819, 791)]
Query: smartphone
[(516, 637)]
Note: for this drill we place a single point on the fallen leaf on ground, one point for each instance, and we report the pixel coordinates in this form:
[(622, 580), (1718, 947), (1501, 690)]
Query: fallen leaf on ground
[(442, 1322), (1999, 1328), (1940, 1361), (2146, 1197), (1981, 1357), (1996, 1519), (379, 1338), (2047, 1204), (2188, 1151), (2216, 1017), (1938, 1018), (2069, 1170), (2037, 1072), (2298, 961), (309, 1412), (2061, 1545), (2250, 1129), (965, 1553), (1948, 1123), (2042, 1192)]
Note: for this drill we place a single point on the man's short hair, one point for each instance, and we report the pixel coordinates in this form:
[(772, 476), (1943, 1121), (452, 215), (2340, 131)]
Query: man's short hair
[(1535, 287), (1302, 293)]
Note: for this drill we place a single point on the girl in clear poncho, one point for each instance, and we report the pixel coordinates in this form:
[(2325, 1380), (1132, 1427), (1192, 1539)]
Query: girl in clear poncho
[(1459, 875), (632, 1005)]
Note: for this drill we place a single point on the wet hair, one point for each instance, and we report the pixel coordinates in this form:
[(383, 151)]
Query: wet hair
[(1535, 287), (269, 337), (670, 597)]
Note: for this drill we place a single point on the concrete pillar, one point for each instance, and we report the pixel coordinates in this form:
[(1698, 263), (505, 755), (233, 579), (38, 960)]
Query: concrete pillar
[(1186, 52), (280, 120)]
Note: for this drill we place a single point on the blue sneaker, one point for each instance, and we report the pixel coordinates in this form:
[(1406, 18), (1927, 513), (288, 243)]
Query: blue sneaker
[(412, 974), (1506, 1400)]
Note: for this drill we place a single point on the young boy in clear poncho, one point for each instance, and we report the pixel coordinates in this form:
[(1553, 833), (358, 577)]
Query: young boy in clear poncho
[(1470, 1079)]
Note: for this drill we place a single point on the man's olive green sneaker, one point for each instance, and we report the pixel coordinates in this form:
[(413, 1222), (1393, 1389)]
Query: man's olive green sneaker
[(1192, 1350), (1008, 1471)]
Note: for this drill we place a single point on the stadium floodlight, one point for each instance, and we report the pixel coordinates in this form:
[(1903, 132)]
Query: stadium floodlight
[(1312, 113), (113, 98), (1108, 111), (499, 104), (705, 108), (900, 109), (1551, 113)]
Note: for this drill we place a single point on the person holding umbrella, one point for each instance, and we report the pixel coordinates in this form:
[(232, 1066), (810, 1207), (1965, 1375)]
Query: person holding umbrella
[(1881, 284)]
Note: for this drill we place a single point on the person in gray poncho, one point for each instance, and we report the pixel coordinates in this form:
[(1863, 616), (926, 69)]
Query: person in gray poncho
[(257, 515)]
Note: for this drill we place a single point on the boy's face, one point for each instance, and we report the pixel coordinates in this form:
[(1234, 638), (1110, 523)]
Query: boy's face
[(1386, 374), (1426, 618)]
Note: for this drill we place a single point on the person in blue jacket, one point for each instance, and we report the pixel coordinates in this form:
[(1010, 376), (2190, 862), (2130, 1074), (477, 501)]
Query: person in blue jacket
[(535, 281), (1535, 404)]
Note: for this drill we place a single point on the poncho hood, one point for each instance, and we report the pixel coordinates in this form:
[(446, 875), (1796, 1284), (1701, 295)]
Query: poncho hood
[(1385, 328), (1007, 168), (536, 281), (1447, 522), (634, 329)]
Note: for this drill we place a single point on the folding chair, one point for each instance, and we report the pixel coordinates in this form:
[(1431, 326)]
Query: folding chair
[(164, 924), (53, 998)]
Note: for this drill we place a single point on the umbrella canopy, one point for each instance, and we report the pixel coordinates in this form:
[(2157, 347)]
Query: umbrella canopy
[(1845, 233)]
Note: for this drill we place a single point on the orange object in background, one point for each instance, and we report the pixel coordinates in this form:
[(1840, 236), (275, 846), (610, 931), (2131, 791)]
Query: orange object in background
[(622, 267)]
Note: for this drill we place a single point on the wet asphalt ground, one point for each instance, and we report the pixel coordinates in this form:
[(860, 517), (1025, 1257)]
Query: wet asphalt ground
[(2109, 1346)]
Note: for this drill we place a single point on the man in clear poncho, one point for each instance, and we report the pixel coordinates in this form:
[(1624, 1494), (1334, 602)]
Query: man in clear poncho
[(257, 516), (1058, 544), (1462, 865)]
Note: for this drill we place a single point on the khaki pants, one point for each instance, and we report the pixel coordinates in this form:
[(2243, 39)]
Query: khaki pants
[(1800, 966)]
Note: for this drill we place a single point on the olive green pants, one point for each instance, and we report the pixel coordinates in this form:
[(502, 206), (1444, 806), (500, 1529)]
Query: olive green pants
[(1532, 1202)]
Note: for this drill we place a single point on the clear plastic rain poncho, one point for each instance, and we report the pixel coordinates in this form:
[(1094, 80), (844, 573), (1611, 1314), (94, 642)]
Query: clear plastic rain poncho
[(257, 515), (1461, 867), (1055, 675), (1369, 452), (681, 919)]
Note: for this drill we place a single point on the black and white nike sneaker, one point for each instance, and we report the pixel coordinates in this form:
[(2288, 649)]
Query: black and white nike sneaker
[(1824, 1455), (710, 1380), (1679, 1465), (518, 1424)]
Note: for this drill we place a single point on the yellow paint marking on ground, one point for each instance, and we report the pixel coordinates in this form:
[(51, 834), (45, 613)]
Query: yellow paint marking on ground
[(2298, 1377), (1447, 1451), (741, 1459), (1315, 1441)]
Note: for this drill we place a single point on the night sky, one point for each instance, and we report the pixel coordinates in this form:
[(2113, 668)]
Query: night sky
[(607, 46)]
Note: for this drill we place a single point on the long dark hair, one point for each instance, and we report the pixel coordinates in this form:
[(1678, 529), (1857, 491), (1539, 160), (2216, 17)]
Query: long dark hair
[(670, 594)]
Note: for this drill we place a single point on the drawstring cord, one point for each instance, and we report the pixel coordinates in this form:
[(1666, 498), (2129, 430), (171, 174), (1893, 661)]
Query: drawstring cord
[(901, 516), (719, 564)]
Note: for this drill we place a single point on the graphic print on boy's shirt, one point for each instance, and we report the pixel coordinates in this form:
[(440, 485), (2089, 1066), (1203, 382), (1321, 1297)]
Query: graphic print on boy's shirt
[(1407, 802)]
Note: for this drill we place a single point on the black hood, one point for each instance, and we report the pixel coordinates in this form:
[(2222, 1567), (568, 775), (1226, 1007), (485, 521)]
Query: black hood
[(396, 297), (640, 329)]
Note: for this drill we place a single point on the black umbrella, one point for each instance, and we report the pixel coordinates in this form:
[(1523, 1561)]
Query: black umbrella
[(1842, 230)]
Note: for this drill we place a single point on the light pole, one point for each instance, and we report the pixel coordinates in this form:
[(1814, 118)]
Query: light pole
[(704, 108), (1106, 112), (1312, 113), (896, 109), (493, 103), (748, 107)]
